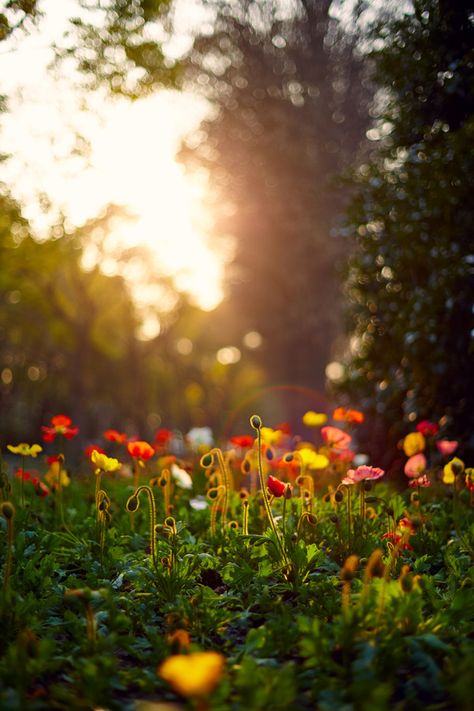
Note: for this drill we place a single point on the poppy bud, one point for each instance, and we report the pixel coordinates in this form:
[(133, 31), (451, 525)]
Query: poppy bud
[(276, 487), (333, 518), (233, 525), (169, 521), (207, 460), (288, 458), (246, 466), (375, 565), (256, 422), (367, 485), (132, 504), (288, 492), (8, 510), (311, 519), (457, 466), (269, 454), (338, 496)]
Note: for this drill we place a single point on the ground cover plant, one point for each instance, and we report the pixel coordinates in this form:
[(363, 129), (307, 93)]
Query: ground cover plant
[(267, 573)]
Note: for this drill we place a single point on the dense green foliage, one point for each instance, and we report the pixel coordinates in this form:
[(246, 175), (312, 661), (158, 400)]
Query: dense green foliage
[(347, 620), (410, 281)]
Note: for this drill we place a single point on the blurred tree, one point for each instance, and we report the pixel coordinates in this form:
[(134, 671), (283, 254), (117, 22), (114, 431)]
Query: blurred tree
[(291, 101), (410, 281), (68, 336), (17, 15)]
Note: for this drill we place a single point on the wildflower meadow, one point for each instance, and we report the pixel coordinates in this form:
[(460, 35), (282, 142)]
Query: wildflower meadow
[(263, 572)]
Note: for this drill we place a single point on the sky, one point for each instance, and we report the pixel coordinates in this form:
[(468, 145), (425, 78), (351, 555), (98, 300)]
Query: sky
[(131, 162)]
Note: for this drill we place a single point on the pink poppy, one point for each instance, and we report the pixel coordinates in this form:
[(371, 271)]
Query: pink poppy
[(334, 437), (416, 465), (421, 481), (362, 473), (447, 446)]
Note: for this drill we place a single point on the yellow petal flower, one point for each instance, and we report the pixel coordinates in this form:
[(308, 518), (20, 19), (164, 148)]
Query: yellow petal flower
[(194, 674), (270, 436), (25, 450), (314, 419), (105, 463), (451, 469), (54, 473), (312, 459), (413, 443)]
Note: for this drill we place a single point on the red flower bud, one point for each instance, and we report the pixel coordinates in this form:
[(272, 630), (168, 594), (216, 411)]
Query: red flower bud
[(275, 486)]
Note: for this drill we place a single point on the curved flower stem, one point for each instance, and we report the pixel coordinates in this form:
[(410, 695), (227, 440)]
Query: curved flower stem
[(98, 478), (245, 518), (362, 507), (133, 504), (265, 498), (224, 500), (22, 484)]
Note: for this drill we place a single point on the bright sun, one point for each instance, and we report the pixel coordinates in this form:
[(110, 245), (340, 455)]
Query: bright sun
[(131, 162)]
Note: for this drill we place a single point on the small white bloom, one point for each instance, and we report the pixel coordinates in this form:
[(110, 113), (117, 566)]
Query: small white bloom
[(199, 503), (199, 436), (181, 477), (360, 460)]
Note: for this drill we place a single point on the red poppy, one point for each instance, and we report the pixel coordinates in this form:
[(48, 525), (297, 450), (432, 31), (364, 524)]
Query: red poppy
[(20, 474), (60, 425), (284, 427), (427, 429), (93, 448), (40, 489), (395, 538), (353, 416), (163, 437), (114, 436), (243, 441), (275, 486), (53, 458), (140, 450)]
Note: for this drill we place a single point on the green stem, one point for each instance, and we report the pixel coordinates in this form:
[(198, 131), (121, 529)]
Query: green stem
[(265, 499), (152, 515), (22, 484)]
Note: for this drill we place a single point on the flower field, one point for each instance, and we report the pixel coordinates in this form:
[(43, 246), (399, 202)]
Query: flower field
[(267, 572)]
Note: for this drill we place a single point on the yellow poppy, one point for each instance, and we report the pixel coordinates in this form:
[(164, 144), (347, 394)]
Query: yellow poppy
[(192, 675), (105, 463), (270, 436), (312, 459), (25, 450), (314, 419), (413, 443), (451, 469), (56, 474)]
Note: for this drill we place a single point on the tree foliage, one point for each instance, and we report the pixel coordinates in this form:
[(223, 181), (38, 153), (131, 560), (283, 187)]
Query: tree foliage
[(410, 281)]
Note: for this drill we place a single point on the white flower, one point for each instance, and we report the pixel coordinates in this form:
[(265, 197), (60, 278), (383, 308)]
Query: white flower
[(199, 503), (181, 477), (360, 459), (199, 436)]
